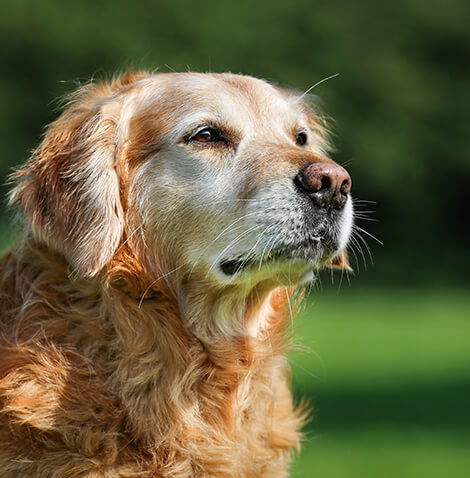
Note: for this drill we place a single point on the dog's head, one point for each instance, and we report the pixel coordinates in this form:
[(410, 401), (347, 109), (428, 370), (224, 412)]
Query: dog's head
[(215, 177)]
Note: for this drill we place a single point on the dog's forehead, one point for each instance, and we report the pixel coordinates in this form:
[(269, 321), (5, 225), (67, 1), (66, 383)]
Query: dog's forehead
[(240, 100)]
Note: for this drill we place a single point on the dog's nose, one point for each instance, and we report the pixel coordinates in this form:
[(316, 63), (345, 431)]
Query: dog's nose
[(327, 184)]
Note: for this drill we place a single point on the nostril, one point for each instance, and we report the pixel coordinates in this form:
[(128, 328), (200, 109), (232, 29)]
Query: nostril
[(345, 187), (325, 183), (309, 184)]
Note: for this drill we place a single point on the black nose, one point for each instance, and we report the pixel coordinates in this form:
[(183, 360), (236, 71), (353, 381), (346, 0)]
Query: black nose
[(327, 184)]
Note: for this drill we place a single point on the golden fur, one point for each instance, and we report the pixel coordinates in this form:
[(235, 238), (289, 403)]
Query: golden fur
[(122, 354)]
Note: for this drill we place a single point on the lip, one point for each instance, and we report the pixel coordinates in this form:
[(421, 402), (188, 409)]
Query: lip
[(236, 265), (312, 252)]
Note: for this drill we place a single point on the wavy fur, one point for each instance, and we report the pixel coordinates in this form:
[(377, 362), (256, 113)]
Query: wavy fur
[(120, 354)]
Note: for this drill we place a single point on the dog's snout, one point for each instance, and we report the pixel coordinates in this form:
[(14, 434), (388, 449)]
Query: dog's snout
[(327, 184)]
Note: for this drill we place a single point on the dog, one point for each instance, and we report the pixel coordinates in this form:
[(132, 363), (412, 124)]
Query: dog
[(169, 222)]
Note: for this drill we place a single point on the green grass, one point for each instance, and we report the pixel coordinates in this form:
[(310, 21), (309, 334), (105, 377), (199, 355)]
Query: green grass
[(384, 453), (388, 376)]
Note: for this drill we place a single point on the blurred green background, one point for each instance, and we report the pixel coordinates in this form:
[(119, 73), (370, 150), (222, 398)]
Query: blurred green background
[(385, 356)]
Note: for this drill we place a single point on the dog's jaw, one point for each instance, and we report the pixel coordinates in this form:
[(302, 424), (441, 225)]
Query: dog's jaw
[(280, 241), (290, 256)]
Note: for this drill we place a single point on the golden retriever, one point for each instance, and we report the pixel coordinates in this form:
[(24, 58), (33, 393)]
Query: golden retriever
[(143, 311)]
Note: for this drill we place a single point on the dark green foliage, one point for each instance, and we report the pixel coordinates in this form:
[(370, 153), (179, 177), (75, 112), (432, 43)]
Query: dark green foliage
[(400, 103)]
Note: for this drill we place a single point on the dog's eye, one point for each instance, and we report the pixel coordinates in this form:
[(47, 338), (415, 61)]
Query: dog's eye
[(206, 135), (301, 138)]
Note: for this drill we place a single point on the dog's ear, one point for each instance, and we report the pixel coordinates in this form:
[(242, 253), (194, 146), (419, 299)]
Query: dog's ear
[(70, 189), (341, 261)]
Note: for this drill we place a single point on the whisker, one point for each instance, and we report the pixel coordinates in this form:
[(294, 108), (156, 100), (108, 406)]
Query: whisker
[(212, 202), (289, 271), (242, 200), (366, 245), (341, 279), (354, 253), (364, 201), (234, 241), (315, 85), (196, 262), (371, 219), (271, 244), (228, 228), (253, 248), (346, 163), (318, 284), (355, 226), (155, 281), (128, 237), (291, 314), (359, 248), (264, 250)]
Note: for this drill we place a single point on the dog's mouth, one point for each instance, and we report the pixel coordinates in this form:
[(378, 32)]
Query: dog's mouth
[(299, 248), (313, 253), (238, 264)]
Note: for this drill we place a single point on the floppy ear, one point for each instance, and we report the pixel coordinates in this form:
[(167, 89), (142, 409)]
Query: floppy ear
[(69, 190), (341, 261)]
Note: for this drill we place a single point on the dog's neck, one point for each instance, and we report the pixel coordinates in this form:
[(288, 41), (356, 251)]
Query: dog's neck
[(183, 351)]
